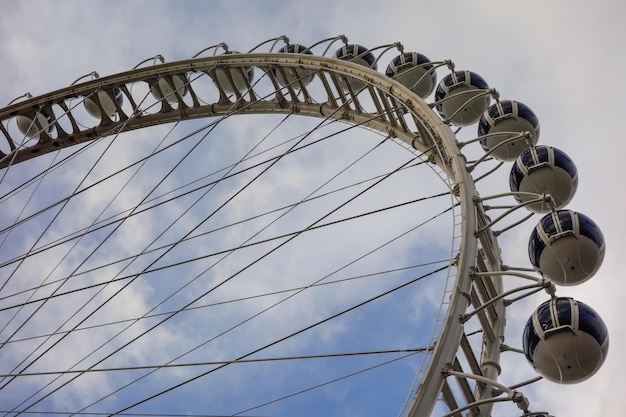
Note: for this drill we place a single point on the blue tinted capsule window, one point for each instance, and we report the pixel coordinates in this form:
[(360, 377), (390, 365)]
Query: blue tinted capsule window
[(563, 312), (530, 340), (535, 248), (590, 322), (589, 229), (563, 161)]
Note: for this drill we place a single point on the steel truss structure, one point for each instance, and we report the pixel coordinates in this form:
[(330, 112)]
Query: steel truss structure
[(465, 379)]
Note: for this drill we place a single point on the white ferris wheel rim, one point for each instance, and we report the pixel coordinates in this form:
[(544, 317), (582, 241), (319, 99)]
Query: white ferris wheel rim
[(434, 137)]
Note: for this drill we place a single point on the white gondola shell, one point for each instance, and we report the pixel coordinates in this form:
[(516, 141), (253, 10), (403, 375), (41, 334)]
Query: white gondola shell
[(544, 170), (359, 55), (503, 121), (566, 247), (169, 91), (414, 71), (107, 103), (32, 127), (234, 79), (565, 340), (461, 97), (294, 76)]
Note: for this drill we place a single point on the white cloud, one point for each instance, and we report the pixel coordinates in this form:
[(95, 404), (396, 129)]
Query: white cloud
[(563, 60)]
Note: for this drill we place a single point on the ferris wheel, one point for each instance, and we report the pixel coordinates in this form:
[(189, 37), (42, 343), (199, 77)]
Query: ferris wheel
[(277, 231)]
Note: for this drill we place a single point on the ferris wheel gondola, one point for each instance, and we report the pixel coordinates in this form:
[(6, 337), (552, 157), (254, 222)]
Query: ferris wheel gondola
[(565, 340), (566, 248), (544, 170), (502, 123), (462, 97), (415, 71)]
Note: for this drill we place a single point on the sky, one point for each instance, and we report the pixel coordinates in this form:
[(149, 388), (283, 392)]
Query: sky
[(563, 59)]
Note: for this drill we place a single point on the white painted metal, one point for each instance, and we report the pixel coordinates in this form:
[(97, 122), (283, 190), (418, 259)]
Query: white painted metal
[(429, 135)]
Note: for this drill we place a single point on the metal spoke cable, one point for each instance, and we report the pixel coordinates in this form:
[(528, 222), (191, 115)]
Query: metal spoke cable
[(332, 381), (26, 139), (195, 236), (41, 235), (97, 414), (235, 108), (21, 212), (289, 336), (236, 300), (135, 211), (56, 165), (407, 353), (169, 245), (91, 186), (209, 255), (102, 242), (224, 362), (230, 253), (222, 282), (93, 297), (151, 155), (69, 251), (154, 262), (265, 309)]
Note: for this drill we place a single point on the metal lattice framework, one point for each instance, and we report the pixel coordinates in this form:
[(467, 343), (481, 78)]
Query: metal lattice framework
[(385, 106)]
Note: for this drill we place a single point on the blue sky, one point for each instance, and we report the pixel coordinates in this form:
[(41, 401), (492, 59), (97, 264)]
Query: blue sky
[(563, 59)]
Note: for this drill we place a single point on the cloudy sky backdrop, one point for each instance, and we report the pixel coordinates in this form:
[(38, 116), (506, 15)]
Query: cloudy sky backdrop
[(562, 58)]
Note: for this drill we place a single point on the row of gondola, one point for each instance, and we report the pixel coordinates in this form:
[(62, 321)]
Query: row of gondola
[(565, 340)]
